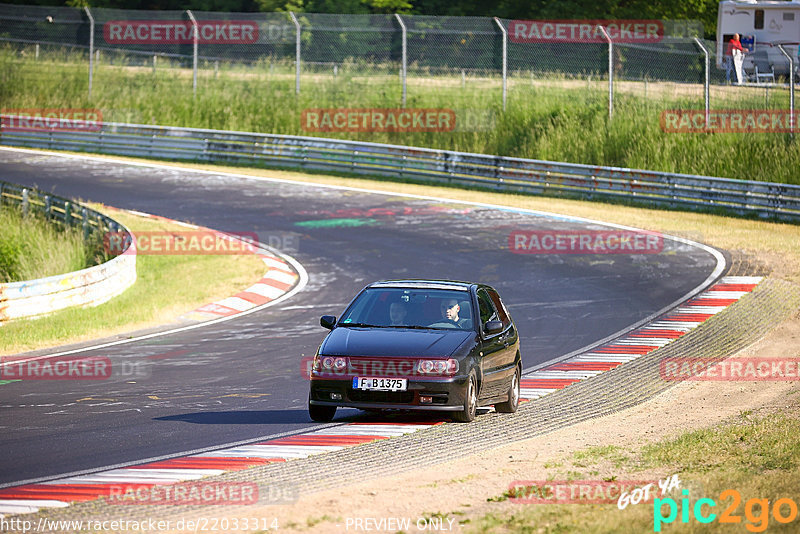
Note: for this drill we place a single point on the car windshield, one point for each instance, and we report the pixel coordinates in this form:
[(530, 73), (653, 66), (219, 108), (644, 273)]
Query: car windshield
[(411, 308)]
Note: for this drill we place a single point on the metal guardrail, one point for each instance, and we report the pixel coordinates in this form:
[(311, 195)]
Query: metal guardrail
[(663, 189), (87, 287)]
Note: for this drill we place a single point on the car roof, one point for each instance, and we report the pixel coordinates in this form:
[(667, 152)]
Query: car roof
[(424, 284)]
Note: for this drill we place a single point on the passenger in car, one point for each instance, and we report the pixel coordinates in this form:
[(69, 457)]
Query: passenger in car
[(398, 313)]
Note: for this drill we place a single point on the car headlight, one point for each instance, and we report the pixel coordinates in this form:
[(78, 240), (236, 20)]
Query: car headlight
[(447, 367), (330, 364)]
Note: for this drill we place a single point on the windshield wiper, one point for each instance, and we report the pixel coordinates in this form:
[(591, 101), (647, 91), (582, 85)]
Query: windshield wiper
[(411, 326)]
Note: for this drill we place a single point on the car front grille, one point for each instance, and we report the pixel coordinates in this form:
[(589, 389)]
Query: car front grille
[(374, 366), (389, 397)]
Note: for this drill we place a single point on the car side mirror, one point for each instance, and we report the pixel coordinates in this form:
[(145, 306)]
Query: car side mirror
[(328, 321), (493, 327)]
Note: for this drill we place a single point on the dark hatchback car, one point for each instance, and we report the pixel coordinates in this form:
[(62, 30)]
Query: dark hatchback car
[(418, 345)]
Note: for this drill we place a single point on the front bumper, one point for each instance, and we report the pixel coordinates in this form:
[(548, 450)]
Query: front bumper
[(446, 394)]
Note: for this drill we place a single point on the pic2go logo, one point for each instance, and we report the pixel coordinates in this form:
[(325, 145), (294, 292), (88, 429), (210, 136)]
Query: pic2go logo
[(756, 511)]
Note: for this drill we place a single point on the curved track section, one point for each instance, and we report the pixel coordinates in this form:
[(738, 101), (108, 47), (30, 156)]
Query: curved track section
[(241, 380)]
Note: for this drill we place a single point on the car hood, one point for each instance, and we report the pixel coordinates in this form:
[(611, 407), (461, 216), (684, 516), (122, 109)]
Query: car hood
[(344, 341)]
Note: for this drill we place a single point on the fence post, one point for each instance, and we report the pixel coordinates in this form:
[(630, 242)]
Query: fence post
[(297, 54), (85, 223), (610, 72), (91, 48), (404, 66), (505, 59), (706, 94), (195, 39), (791, 88)]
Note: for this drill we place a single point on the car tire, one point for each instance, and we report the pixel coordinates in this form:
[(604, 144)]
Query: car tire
[(321, 414), (511, 405), (470, 401)]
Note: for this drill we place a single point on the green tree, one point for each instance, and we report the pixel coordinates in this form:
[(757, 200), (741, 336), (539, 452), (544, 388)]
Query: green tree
[(389, 6)]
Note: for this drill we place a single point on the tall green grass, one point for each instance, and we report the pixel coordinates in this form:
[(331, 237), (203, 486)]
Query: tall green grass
[(161, 293), (31, 247), (556, 120)]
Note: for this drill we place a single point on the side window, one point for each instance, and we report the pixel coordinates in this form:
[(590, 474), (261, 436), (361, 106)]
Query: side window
[(502, 313), (758, 20), (486, 308)]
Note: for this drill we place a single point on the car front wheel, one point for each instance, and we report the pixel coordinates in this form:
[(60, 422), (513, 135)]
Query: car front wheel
[(470, 401)]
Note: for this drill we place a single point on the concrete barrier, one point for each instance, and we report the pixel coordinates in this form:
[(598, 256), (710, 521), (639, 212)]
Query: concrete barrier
[(88, 287)]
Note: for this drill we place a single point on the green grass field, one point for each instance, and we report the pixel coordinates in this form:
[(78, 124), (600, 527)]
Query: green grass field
[(554, 119), (31, 247)]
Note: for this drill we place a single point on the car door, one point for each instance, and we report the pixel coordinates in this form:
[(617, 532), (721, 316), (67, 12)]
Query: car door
[(493, 349), (509, 336)]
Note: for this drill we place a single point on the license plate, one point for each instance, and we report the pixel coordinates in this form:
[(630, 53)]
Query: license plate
[(367, 383)]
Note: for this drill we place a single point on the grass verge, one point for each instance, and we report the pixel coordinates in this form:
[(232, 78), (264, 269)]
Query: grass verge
[(755, 454), (32, 247), (166, 287), (552, 119)]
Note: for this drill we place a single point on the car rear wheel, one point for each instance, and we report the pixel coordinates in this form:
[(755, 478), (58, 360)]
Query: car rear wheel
[(511, 405), (470, 401), (321, 414)]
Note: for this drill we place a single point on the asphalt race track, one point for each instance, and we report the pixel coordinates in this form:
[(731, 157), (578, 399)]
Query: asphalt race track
[(241, 379)]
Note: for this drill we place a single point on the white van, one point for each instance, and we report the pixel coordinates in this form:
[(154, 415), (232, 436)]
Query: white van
[(761, 24)]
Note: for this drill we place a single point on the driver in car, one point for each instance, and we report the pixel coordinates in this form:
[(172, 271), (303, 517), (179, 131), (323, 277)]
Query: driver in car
[(450, 309)]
